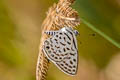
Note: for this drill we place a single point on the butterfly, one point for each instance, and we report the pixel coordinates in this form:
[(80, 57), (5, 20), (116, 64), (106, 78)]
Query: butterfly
[(61, 49)]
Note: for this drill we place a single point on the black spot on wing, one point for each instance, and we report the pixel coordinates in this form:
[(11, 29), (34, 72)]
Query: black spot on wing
[(47, 47), (71, 62), (56, 35), (73, 38), (67, 36), (72, 54), (64, 39), (60, 37), (69, 43), (51, 40), (55, 39), (66, 68), (62, 43), (60, 33), (68, 48), (74, 60), (64, 49)]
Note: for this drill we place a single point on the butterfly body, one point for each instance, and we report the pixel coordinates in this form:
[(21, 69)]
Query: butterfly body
[(61, 49)]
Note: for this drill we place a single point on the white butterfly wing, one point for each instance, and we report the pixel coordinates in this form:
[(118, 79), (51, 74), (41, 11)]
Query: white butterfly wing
[(55, 47), (61, 49), (69, 65)]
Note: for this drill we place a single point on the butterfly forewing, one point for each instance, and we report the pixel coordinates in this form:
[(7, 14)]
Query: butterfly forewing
[(61, 49)]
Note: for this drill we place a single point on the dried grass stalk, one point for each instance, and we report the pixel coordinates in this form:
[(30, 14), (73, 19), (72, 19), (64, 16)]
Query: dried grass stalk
[(58, 16)]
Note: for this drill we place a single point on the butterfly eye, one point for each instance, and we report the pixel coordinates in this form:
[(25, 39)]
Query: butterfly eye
[(76, 32)]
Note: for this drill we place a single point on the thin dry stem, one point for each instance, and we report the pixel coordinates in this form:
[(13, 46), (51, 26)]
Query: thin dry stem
[(58, 16)]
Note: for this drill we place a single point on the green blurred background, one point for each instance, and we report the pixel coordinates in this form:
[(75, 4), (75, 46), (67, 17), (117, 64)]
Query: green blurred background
[(98, 42)]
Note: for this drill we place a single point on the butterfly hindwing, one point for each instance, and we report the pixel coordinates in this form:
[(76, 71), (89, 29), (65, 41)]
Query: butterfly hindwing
[(69, 65), (61, 49)]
